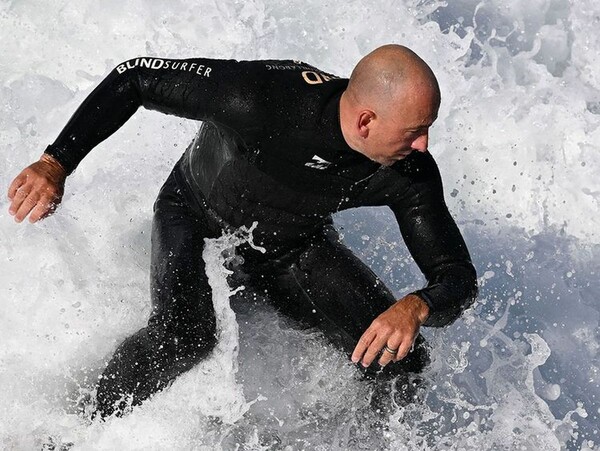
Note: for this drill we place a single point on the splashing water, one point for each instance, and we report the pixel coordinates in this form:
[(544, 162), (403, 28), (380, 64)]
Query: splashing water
[(517, 143)]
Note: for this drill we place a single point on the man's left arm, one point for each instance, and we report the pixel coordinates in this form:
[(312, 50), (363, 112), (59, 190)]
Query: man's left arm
[(439, 250)]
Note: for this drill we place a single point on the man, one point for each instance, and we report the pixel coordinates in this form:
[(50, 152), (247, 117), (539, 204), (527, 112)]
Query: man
[(285, 145)]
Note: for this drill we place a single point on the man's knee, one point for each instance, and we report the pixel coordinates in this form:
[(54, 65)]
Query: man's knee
[(185, 343), (191, 348)]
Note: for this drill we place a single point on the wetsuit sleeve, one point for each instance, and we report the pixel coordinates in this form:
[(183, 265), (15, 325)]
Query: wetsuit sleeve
[(437, 246), (202, 89)]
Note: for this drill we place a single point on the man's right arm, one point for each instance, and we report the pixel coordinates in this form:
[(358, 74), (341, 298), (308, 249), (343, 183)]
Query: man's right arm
[(202, 89)]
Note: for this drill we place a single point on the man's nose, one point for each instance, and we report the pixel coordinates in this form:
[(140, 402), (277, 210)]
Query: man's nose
[(420, 144)]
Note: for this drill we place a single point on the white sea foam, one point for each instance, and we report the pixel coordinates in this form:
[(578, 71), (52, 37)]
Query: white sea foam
[(517, 143)]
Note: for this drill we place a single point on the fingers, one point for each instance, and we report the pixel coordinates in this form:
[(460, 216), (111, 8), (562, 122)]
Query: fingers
[(387, 356), (26, 205), (404, 348), (26, 199), (15, 185), (372, 344), (373, 351), (396, 328), (374, 341), (17, 193), (402, 344), (363, 344), (36, 191), (39, 206), (19, 197), (43, 208)]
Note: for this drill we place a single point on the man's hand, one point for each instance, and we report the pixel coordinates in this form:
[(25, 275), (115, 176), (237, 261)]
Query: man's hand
[(38, 190), (392, 333)]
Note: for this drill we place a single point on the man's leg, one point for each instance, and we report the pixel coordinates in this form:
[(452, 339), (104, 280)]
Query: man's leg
[(328, 287), (181, 329)]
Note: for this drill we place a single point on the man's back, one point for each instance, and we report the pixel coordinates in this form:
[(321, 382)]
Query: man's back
[(271, 149)]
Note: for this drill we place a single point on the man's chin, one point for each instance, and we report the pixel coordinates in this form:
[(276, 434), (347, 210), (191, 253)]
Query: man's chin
[(392, 161), (388, 161), (383, 161)]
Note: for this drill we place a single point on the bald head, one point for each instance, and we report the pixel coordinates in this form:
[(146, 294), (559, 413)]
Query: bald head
[(391, 100), (391, 74)]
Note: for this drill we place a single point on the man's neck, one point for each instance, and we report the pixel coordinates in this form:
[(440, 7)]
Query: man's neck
[(346, 120), (347, 117)]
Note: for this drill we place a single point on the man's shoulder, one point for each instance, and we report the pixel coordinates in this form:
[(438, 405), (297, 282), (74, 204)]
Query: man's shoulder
[(418, 165), (311, 74), (408, 183), (295, 72)]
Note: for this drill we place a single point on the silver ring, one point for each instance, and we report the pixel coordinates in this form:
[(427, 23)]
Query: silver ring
[(390, 350)]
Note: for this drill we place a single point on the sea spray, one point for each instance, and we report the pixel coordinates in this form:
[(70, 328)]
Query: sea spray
[(492, 408), (517, 145), (206, 400)]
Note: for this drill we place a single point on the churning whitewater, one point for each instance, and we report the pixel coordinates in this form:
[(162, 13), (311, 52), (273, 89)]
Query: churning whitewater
[(517, 142)]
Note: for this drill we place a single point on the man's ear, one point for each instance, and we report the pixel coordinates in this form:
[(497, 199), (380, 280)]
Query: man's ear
[(364, 120)]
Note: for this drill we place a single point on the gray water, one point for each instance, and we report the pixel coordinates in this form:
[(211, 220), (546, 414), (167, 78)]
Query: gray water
[(517, 143)]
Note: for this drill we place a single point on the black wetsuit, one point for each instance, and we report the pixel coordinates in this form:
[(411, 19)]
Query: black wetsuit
[(270, 150)]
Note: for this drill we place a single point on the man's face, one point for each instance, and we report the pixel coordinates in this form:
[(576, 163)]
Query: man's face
[(393, 137)]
